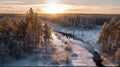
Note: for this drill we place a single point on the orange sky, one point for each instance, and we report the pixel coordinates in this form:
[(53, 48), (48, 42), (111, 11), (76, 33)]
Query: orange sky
[(76, 6)]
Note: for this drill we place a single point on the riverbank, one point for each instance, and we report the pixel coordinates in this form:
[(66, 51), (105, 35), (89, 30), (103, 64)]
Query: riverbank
[(89, 37), (84, 58)]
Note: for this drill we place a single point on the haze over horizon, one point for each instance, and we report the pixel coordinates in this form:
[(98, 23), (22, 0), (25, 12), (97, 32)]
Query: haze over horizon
[(70, 6)]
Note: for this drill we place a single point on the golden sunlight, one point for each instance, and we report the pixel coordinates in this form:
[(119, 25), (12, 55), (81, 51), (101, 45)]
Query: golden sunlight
[(54, 8)]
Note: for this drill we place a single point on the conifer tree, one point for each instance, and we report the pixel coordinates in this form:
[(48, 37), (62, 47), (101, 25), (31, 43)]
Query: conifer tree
[(7, 25), (103, 39), (110, 35), (4, 52), (34, 28), (117, 55), (47, 36)]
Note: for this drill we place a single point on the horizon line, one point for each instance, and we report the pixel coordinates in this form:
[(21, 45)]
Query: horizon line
[(68, 13)]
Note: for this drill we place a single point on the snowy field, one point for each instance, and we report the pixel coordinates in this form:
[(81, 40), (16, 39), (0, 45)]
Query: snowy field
[(84, 58), (88, 36)]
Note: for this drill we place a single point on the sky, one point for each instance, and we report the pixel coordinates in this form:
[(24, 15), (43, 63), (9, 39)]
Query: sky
[(73, 6)]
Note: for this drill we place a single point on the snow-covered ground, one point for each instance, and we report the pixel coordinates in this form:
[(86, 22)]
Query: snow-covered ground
[(88, 36), (83, 58), (57, 41)]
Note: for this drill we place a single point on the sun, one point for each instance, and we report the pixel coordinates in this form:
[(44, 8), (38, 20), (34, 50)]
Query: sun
[(54, 8)]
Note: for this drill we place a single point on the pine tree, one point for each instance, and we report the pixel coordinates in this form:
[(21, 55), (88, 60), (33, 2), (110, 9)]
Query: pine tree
[(110, 36), (4, 52), (117, 55), (39, 29), (47, 36), (112, 32), (34, 28), (7, 25), (21, 28), (103, 39), (29, 15)]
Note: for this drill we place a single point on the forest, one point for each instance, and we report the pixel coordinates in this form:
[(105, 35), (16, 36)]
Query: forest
[(60, 39), (19, 37)]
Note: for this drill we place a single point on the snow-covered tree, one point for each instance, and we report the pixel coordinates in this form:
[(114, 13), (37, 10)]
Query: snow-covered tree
[(103, 39), (4, 52), (7, 25), (117, 55), (47, 35), (109, 38), (20, 36), (34, 27)]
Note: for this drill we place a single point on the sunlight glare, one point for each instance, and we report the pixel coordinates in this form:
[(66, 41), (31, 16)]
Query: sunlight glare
[(54, 8)]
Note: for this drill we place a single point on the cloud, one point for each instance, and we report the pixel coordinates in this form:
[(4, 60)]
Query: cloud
[(21, 2), (71, 2), (95, 9), (11, 2), (88, 6)]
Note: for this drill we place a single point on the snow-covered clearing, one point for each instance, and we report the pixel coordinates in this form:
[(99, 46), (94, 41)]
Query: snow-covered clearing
[(84, 58), (88, 36)]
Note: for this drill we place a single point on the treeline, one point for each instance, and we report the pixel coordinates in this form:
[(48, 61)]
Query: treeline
[(20, 37), (109, 39), (79, 21)]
